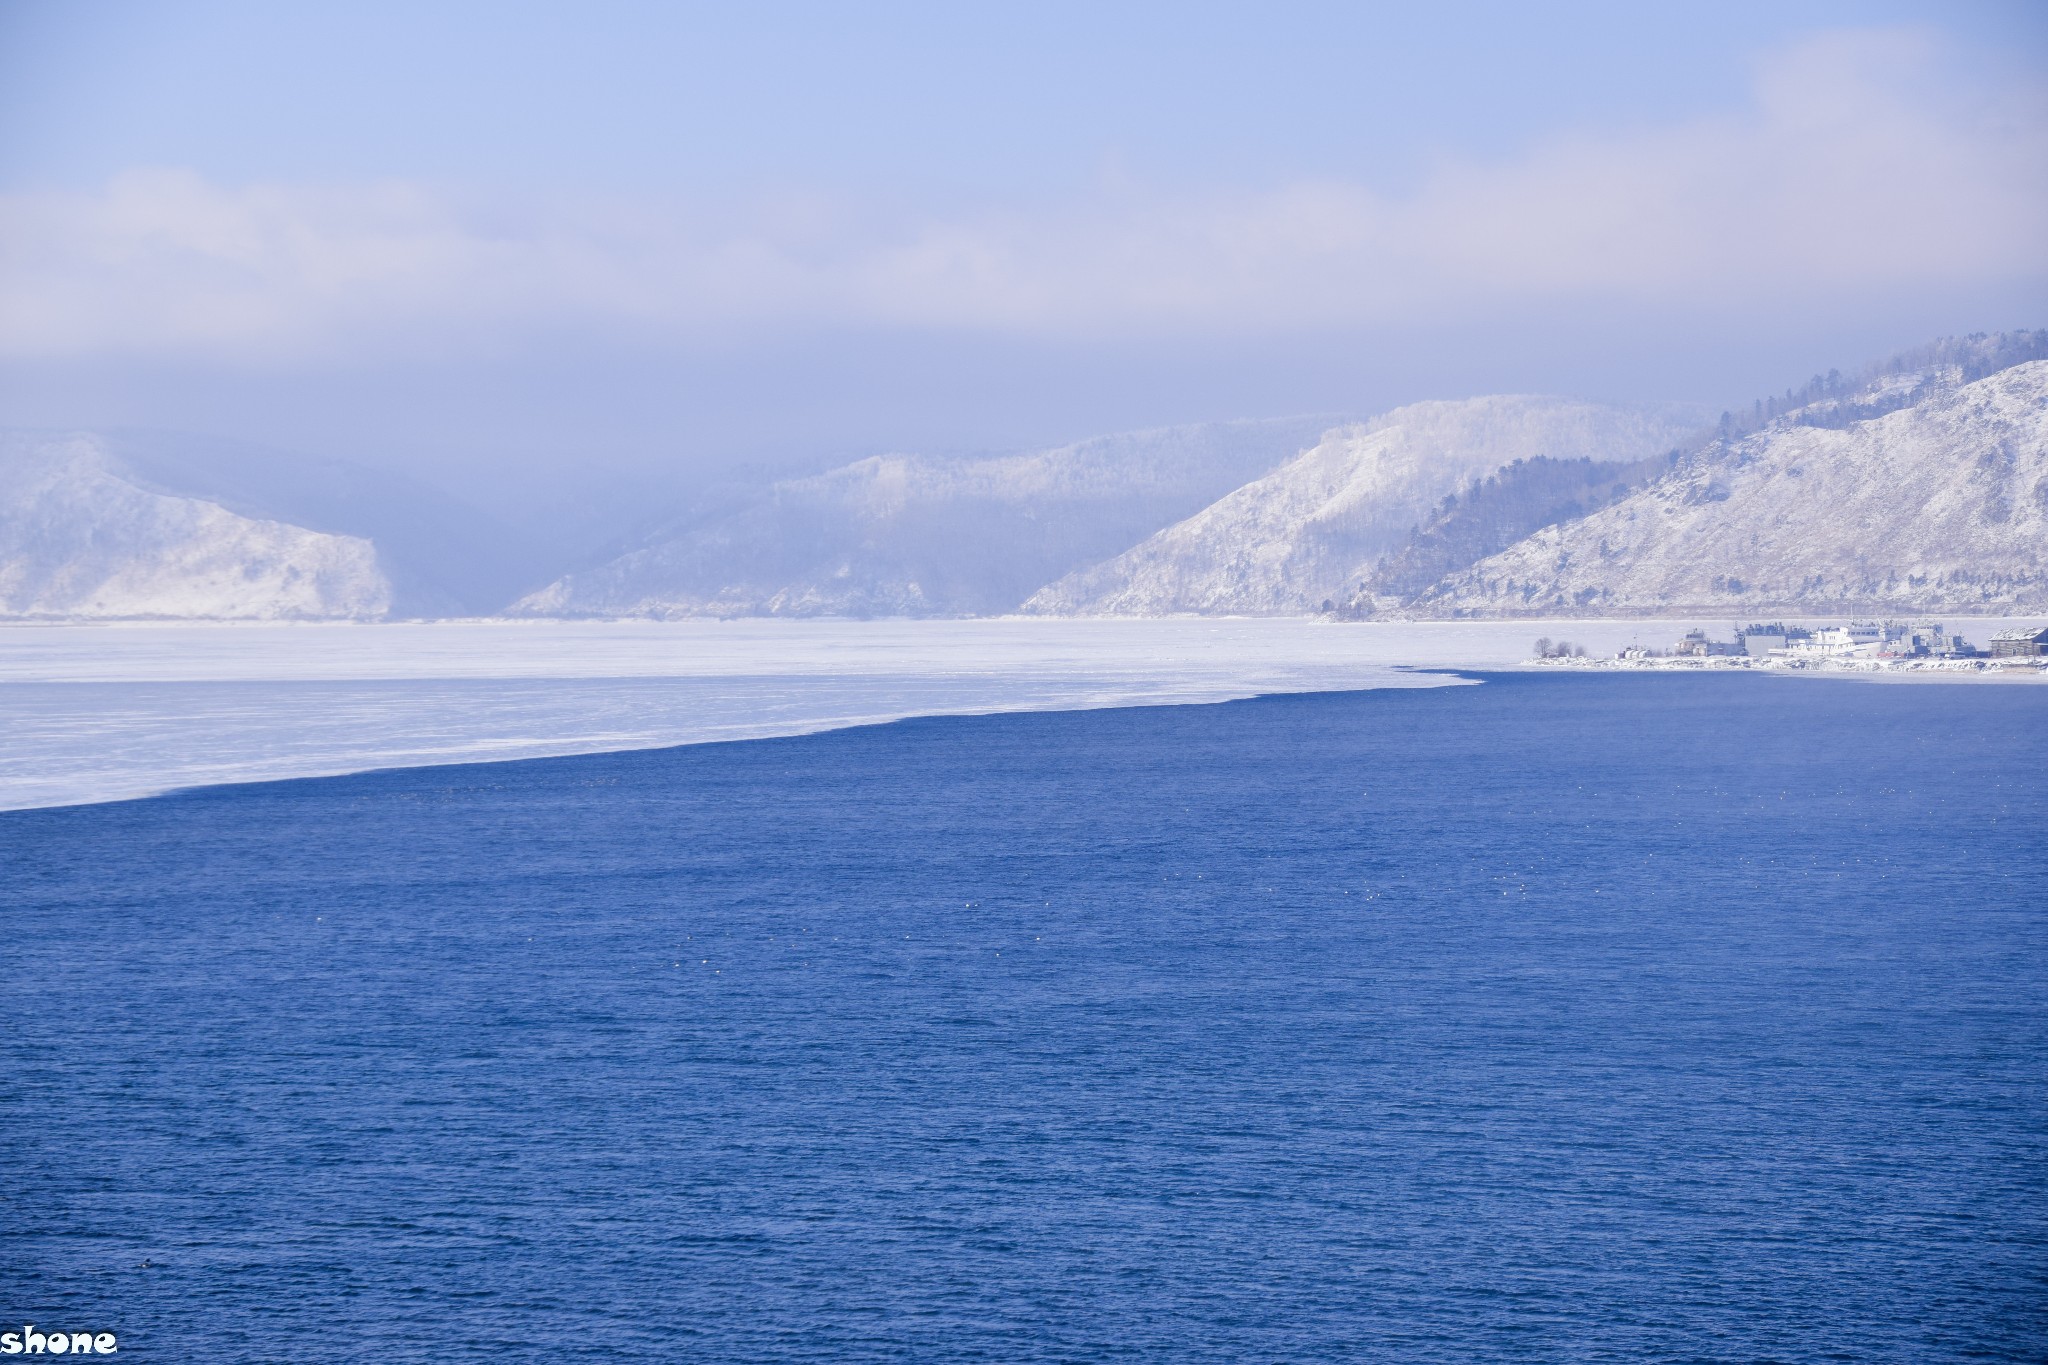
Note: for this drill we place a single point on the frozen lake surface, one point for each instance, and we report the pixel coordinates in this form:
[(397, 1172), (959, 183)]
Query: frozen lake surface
[(110, 712)]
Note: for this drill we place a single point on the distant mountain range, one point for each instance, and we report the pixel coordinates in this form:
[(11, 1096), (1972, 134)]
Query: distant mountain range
[(443, 557), (898, 535), (83, 536), (1940, 506), (1290, 541), (1919, 485), (155, 524)]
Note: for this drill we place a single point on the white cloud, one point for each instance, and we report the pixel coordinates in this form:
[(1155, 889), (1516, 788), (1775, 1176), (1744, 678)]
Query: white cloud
[(1861, 165)]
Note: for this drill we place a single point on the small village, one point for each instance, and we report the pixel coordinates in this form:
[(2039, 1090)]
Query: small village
[(1854, 646)]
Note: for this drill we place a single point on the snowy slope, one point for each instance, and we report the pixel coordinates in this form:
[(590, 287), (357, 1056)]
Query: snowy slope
[(1312, 530), (78, 538), (1940, 506), (443, 556), (904, 535)]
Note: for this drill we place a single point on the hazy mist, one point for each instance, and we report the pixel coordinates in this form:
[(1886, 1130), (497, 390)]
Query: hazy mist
[(568, 268)]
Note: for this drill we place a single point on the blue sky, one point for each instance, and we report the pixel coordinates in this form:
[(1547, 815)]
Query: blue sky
[(899, 99), (660, 236)]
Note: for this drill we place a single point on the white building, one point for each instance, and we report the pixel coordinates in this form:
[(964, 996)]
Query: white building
[(1836, 642)]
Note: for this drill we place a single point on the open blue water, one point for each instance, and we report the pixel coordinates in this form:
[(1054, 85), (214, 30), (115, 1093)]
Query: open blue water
[(1560, 1018)]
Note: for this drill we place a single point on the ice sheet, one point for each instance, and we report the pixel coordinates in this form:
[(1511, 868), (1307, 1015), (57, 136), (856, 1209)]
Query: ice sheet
[(109, 712)]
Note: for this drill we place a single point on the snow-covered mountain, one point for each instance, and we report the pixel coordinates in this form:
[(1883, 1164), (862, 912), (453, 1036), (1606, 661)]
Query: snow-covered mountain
[(906, 535), (80, 536), (1919, 486), (443, 556), (1312, 531), (1939, 505)]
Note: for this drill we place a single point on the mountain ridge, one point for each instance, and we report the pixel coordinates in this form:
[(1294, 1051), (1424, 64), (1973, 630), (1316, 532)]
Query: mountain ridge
[(911, 535), (1289, 542), (1936, 506), (81, 539), (1917, 485)]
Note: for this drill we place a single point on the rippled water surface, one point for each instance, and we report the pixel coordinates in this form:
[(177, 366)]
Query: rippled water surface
[(1563, 1017)]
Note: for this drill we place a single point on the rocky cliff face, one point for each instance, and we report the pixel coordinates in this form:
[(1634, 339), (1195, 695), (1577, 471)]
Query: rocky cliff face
[(1312, 532), (1936, 507), (79, 539), (903, 535)]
